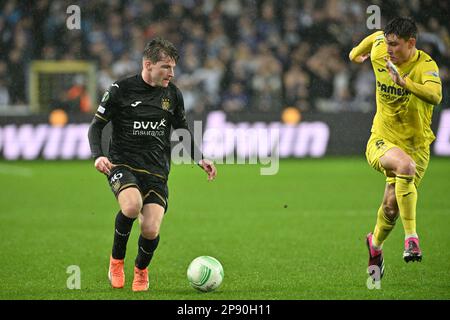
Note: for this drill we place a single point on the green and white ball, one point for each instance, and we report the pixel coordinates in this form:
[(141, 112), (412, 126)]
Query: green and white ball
[(205, 273)]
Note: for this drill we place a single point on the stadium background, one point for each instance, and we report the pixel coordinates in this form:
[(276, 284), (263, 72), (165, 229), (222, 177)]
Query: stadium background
[(263, 62)]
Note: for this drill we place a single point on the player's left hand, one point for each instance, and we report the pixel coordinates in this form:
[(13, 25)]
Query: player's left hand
[(209, 168), (396, 77)]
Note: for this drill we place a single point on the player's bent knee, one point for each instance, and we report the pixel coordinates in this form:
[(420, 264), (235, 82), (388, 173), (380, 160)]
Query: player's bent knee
[(130, 202), (131, 209), (407, 167), (149, 232)]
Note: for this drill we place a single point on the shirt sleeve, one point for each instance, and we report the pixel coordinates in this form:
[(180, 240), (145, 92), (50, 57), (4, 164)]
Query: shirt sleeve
[(109, 103), (365, 46), (430, 87), (430, 72), (104, 113)]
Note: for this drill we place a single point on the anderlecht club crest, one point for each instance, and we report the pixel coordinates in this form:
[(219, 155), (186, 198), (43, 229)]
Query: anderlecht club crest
[(165, 103)]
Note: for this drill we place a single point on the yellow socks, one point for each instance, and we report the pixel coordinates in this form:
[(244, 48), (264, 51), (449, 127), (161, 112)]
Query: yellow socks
[(383, 227), (406, 194)]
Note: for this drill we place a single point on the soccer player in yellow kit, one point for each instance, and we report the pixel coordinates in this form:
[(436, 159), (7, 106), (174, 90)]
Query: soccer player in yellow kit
[(408, 86)]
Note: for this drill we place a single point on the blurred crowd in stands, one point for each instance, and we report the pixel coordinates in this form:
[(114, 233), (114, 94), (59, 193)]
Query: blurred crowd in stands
[(235, 55)]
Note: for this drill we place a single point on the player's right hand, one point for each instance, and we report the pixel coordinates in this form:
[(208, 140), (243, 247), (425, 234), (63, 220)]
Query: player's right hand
[(358, 59), (103, 165), (209, 168), (362, 58)]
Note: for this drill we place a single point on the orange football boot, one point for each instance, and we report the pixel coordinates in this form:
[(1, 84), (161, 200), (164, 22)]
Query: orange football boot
[(140, 281), (115, 273)]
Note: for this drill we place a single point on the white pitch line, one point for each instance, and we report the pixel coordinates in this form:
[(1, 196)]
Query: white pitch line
[(14, 170)]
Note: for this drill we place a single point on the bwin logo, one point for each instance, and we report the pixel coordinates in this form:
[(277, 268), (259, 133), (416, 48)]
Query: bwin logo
[(149, 124)]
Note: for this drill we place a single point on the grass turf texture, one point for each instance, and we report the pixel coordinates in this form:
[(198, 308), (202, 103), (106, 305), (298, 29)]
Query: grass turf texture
[(299, 234)]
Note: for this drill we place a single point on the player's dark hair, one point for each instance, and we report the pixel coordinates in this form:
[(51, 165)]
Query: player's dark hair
[(402, 27), (158, 49)]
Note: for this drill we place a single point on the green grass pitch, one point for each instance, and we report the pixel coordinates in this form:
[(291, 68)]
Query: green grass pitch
[(298, 234)]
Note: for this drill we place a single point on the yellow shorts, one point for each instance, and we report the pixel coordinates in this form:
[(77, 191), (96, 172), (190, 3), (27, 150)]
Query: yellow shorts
[(378, 146)]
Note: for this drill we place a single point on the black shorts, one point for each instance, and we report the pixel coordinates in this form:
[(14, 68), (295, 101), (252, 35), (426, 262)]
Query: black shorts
[(152, 188)]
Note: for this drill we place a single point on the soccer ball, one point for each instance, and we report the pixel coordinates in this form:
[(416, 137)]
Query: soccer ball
[(205, 273)]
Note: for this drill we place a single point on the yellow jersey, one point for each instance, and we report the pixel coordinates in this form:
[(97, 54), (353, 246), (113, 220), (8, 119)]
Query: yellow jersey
[(402, 117)]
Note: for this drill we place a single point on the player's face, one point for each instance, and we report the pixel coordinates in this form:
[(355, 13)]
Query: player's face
[(161, 72), (399, 49)]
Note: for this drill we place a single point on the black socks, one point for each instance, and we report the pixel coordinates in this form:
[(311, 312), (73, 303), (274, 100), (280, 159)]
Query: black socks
[(146, 248), (121, 234)]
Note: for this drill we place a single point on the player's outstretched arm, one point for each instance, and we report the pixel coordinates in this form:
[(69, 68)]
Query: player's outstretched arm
[(361, 52), (209, 168), (360, 58)]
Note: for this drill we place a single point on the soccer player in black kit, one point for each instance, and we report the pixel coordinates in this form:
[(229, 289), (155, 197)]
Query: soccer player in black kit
[(143, 109)]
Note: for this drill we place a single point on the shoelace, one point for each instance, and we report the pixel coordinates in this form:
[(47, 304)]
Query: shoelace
[(141, 277), (115, 270), (412, 245)]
